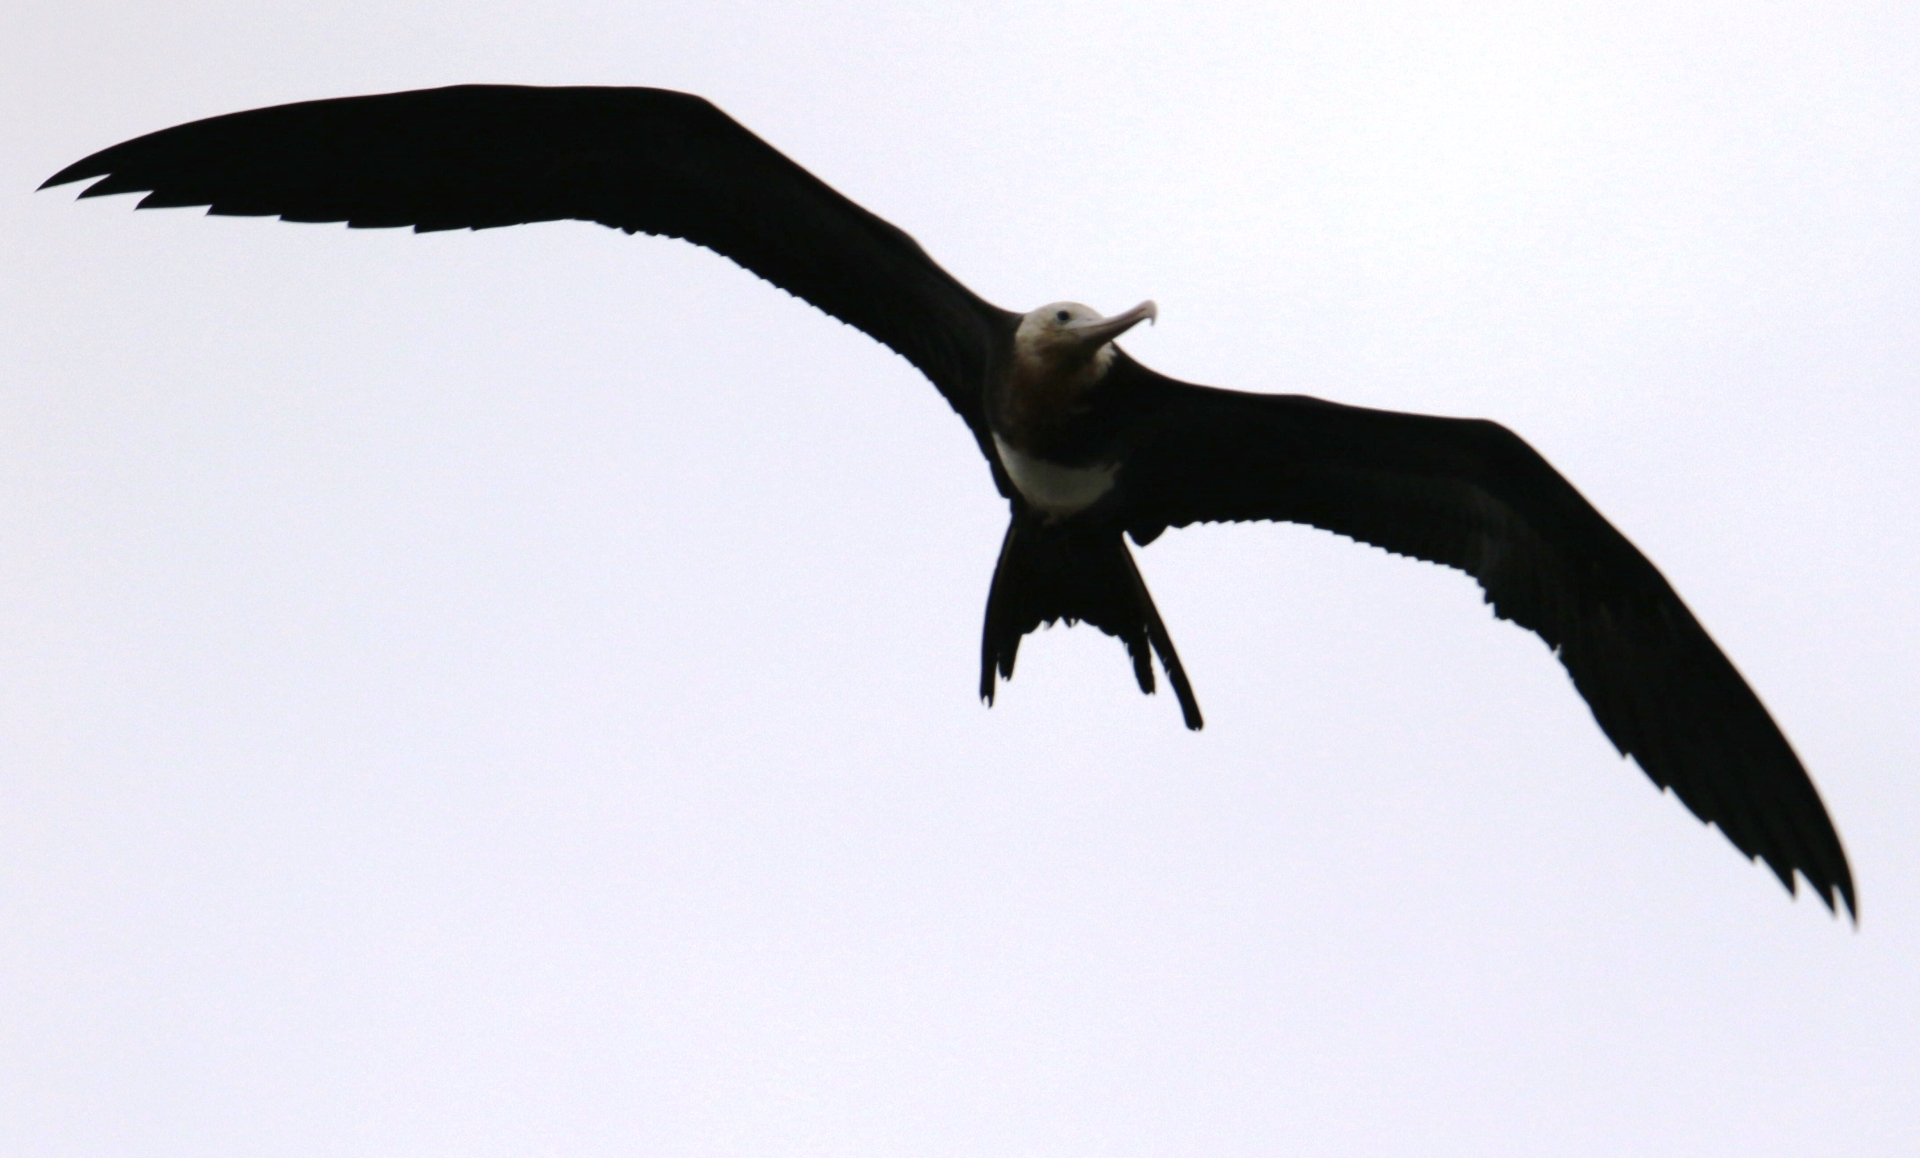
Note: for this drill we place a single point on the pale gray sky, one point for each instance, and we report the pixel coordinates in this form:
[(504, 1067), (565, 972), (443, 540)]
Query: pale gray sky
[(513, 694)]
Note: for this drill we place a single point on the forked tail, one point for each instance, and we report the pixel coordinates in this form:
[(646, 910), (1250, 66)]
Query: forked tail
[(1080, 575)]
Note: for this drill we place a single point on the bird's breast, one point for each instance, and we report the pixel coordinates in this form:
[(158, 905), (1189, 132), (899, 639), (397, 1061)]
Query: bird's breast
[(1055, 490)]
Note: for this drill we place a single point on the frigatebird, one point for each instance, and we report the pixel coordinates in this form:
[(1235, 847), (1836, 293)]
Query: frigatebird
[(1087, 445)]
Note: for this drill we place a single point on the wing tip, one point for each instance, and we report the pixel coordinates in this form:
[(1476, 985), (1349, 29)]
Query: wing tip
[(1834, 889), (78, 171), (1843, 886), (1844, 899)]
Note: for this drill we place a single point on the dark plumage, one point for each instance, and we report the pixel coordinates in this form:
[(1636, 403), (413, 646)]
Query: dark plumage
[(1085, 443)]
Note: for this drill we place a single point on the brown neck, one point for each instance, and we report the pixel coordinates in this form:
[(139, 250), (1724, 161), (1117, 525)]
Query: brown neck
[(1040, 398)]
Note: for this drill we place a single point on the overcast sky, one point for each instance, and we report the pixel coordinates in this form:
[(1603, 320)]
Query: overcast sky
[(513, 694)]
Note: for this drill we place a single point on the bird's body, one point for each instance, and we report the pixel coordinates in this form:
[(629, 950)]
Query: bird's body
[(1056, 428), (1054, 489), (1088, 446)]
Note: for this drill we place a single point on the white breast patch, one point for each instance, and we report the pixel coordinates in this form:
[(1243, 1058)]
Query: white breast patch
[(1053, 489)]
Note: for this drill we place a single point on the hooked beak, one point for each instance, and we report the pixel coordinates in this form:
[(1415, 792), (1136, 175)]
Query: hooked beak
[(1098, 332)]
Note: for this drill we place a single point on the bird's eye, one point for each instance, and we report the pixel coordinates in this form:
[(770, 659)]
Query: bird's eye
[(1062, 316)]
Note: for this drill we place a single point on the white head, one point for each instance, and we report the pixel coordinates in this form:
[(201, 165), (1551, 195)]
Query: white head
[(1071, 339)]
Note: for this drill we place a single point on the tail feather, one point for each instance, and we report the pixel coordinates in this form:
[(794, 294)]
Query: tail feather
[(1162, 643), (1048, 574)]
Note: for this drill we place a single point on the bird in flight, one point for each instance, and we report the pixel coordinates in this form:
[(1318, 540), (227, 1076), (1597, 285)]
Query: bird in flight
[(1088, 446)]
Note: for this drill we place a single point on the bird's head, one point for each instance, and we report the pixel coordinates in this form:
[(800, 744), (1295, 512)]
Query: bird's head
[(1067, 338)]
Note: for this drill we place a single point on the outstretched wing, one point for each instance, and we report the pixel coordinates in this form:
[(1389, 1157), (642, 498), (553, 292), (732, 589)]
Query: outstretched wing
[(642, 160), (1471, 495)]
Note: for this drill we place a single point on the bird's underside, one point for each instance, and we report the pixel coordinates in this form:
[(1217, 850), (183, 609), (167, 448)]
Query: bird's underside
[(1085, 444)]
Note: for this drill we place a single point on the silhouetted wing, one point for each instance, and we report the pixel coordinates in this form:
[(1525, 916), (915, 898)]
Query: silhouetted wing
[(1472, 495), (637, 159)]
